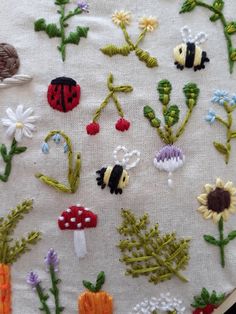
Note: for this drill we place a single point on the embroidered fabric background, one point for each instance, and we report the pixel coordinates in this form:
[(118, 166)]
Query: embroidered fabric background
[(174, 209)]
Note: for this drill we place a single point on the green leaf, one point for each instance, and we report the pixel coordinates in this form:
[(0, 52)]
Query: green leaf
[(74, 37), (112, 50), (150, 115), (233, 54), (205, 295), (221, 148), (232, 235), (82, 31), (88, 285), (19, 150), (172, 115), (218, 5), (40, 25), (100, 280), (52, 30), (61, 2), (210, 239), (188, 6), (230, 28), (191, 92), (3, 150), (164, 88), (214, 17)]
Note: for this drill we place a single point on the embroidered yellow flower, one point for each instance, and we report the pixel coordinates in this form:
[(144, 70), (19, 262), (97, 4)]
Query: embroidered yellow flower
[(148, 23), (219, 200), (121, 17)]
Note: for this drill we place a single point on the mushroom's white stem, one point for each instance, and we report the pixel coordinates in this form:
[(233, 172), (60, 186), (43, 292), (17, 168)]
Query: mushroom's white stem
[(80, 243), (170, 181)]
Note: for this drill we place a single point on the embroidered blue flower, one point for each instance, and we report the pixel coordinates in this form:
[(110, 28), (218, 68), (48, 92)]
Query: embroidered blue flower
[(45, 148), (220, 97), (65, 147), (211, 116), (233, 100), (84, 6), (57, 138)]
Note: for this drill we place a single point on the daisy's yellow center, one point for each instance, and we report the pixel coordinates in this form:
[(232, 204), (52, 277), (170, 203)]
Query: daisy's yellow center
[(218, 200), (19, 125)]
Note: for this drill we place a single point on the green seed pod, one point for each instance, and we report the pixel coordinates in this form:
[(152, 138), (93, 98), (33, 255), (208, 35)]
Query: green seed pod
[(164, 88), (172, 115), (150, 115), (233, 55), (191, 92), (188, 6), (231, 28), (218, 5)]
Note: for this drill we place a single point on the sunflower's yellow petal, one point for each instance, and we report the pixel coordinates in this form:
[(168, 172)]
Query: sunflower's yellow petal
[(216, 217), (228, 186), (209, 188), (208, 214), (202, 209), (233, 191), (219, 183), (225, 215), (232, 209), (202, 199)]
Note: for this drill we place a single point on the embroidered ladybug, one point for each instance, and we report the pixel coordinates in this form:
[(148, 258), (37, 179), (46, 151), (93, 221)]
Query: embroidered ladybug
[(63, 94)]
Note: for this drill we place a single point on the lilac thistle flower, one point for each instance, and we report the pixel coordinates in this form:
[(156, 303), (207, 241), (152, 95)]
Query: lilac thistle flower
[(51, 260), (84, 6), (220, 97), (33, 280), (233, 100), (211, 116)]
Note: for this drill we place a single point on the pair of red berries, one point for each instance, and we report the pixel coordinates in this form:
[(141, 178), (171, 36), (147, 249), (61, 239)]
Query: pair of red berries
[(121, 125), (206, 310)]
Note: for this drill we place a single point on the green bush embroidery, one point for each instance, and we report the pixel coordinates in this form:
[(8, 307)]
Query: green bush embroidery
[(206, 298), (229, 27), (53, 30), (145, 252)]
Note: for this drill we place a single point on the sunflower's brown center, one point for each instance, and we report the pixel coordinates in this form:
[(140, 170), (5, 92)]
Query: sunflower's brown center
[(218, 200)]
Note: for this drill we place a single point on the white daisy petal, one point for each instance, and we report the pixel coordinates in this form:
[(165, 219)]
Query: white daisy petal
[(30, 126), (19, 112), (11, 130), (6, 122), (31, 119), (18, 134), (27, 132), (27, 113), (11, 114)]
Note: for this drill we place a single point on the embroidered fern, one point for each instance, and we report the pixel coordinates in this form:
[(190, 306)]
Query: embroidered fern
[(146, 252)]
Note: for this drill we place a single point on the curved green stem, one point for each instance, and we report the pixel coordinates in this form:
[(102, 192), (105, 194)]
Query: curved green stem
[(102, 106), (183, 124), (222, 121), (141, 37), (62, 47), (43, 299)]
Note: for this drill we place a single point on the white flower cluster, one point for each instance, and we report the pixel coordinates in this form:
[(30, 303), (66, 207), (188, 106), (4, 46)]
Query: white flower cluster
[(166, 303)]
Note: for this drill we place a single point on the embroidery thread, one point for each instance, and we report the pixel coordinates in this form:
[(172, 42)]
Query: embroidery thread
[(53, 30), (117, 177), (9, 66), (19, 124), (222, 98), (63, 94), (122, 124), (51, 261), (78, 218), (217, 203), (73, 167), (170, 157), (94, 300), (189, 54), (11, 252), (146, 24), (229, 27), (207, 302), (165, 303), (146, 253)]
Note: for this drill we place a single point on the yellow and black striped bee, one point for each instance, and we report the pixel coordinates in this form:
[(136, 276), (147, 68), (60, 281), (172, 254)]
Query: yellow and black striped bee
[(189, 54), (115, 177)]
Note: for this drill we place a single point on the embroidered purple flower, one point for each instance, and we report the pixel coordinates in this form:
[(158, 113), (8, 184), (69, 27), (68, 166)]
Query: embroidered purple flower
[(33, 280), (233, 100), (169, 159), (220, 97), (51, 260), (84, 6), (211, 116)]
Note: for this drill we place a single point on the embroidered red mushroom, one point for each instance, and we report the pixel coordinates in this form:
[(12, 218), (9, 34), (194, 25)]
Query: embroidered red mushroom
[(78, 218)]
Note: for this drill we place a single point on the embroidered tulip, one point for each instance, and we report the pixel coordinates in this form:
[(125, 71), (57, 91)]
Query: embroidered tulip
[(93, 128), (122, 125)]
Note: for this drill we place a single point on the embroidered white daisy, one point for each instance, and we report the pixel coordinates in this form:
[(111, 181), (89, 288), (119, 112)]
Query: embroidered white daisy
[(148, 23), (20, 123), (121, 17)]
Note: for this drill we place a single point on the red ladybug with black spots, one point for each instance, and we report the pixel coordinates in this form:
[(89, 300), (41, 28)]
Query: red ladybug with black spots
[(63, 94)]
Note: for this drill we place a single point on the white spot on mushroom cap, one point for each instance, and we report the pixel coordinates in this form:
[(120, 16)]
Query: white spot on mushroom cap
[(78, 205), (80, 212), (87, 209), (68, 210), (73, 219), (79, 225), (88, 219), (67, 224), (61, 218)]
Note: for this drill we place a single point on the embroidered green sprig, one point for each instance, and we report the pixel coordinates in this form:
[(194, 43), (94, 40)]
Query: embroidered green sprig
[(146, 252), (73, 167), (53, 30), (229, 27), (122, 124), (9, 253), (147, 24), (206, 302), (171, 113), (222, 98)]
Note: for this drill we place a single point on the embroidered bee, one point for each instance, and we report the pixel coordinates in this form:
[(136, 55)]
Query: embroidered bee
[(117, 177), (189, 54)]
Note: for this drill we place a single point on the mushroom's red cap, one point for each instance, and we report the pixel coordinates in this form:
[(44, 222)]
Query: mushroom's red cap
[(77, 218)]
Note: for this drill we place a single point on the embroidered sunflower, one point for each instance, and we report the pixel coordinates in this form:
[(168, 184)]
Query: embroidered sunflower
[(148, 23), (219, 200), (121, 17)]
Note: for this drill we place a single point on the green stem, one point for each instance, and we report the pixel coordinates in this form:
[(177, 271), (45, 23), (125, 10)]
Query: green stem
[(183, 124), (222, 121), (141, 37), (224, 23), (103, 105), (229, 131), (221, 242), (118, 106), (71, 14), (42, 299), (55, 291), (62, 47), (127, 37)]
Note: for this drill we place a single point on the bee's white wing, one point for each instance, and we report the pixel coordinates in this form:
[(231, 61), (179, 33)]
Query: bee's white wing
[(200, 38), (186, 34)]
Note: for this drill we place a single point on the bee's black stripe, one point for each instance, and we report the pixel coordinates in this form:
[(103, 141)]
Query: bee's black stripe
[(190, 55), (115, 176)]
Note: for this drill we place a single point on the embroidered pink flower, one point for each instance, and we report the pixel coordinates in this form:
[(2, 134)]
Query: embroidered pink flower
[(93, 128), (122, 125)]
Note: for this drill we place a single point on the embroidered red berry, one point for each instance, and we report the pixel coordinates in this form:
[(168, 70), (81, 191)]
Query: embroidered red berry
[(207, 302), (206, 310), (63, 94), (93, 128), (122, 125)]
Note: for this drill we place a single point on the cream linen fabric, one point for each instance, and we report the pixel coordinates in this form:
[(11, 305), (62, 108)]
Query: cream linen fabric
[(147, 192)]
